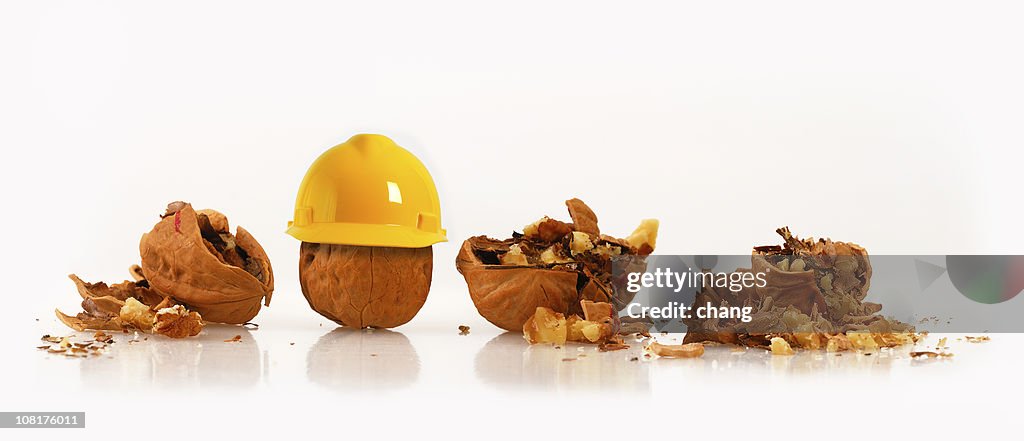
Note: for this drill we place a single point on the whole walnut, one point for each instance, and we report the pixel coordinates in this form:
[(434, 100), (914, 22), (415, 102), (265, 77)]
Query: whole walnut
[(192, 257), (362, 286)]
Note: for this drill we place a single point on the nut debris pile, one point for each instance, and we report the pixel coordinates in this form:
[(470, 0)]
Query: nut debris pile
[(813, 299), (193, 270), (599, 325), (551, 264), (76, 347), (130, 305)]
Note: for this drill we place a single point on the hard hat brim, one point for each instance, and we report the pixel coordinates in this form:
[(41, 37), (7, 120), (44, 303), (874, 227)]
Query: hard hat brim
[(371, 235)]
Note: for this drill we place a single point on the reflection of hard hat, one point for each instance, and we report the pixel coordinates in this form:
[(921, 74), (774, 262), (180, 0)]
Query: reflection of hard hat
[(368, 191)]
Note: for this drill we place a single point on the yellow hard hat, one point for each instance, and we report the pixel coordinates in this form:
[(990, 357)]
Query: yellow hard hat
[(368, 191)]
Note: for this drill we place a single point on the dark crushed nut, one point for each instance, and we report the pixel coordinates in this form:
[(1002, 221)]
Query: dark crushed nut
[(813, 299)]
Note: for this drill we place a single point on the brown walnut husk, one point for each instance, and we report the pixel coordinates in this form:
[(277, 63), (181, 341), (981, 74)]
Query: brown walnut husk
[(813, 299), (130, 305), (359, 286), (192, 257), (102, 303), (552, 264)]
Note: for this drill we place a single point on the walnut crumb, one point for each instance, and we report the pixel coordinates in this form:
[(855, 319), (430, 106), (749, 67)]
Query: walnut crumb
[(689, 350), (930, 354)]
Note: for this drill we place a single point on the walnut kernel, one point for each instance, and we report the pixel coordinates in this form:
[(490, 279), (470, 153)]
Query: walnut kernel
[(545, 326), (688, 350), (178, 322), (780, 346)]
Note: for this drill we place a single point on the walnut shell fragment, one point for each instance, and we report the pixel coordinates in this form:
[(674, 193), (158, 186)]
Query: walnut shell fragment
[(192, 257), (813, 299), (688, 350), (552, 264), (102, 304), (359, 286), (130, 305)]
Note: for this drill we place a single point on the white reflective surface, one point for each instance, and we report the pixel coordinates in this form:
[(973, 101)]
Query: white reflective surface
[(302, 372), (355, 361)]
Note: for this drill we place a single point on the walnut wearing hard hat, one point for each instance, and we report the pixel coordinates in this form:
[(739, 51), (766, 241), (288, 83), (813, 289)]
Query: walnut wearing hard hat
[(367, 214)]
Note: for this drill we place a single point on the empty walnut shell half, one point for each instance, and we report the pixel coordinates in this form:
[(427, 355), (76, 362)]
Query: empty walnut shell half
[(192, 257), (552, 264), (361, 286)]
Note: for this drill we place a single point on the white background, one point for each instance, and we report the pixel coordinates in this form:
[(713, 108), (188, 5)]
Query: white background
[(892, 124)]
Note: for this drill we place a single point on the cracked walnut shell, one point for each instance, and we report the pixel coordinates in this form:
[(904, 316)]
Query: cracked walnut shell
[(552, 264), (192, 257), (360, 286)]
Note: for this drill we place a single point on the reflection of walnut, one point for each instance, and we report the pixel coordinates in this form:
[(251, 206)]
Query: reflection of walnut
[(553, 264), (177, 322)]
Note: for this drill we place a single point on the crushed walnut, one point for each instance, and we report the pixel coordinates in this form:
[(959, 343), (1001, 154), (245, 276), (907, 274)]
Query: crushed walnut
[(813, 299), (552, 264)]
